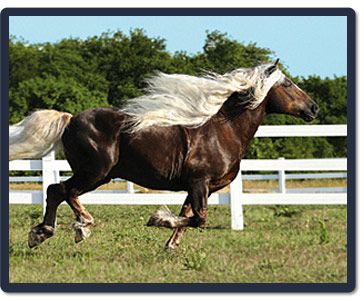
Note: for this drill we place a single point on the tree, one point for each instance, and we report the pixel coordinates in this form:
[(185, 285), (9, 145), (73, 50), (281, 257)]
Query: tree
[(24, 61), (107, 70), (52, 93), (125, 61), (221, 54)]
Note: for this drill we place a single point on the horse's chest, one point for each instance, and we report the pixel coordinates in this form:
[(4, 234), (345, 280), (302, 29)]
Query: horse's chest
[(219, 181), (214, 160)]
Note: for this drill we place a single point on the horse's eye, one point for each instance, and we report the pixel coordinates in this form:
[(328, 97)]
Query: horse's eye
[(287, 83)]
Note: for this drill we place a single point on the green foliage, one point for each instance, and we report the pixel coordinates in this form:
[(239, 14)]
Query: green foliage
[(24, 61), (52, 93), (330, 95), (223, 54), (124, 61), (107, 70)]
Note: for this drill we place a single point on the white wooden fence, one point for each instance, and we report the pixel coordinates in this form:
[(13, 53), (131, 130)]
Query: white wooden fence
[(236, 198)]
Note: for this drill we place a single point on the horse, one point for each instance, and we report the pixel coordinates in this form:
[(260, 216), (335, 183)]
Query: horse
[(187, 133)]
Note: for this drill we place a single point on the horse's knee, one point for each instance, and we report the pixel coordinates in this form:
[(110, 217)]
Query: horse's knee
[(56, 193), (197, 222), (199, 219)]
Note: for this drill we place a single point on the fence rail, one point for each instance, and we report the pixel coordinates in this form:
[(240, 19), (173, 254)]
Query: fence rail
[(236, 198), (302, 131), (16, 179)]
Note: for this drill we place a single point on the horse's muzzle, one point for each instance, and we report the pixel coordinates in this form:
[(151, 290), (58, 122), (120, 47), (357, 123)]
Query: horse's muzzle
[(310, 112)]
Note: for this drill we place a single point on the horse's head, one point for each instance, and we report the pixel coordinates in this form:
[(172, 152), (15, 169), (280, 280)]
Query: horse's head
[(286, 97)]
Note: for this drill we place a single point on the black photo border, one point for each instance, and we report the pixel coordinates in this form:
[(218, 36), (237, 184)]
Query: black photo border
[(179, 287)]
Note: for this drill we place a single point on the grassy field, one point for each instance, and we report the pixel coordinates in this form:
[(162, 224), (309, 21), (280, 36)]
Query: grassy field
[(278, 244)]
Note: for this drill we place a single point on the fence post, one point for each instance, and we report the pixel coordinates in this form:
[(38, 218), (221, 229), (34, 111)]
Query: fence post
[(236, 194), (49, 175), (282, 179), (130, 187)]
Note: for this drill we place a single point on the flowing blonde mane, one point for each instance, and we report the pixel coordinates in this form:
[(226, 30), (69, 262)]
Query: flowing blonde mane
[(177, 99)]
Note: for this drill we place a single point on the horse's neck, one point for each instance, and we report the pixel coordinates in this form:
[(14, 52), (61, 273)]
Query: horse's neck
[(246, 124)]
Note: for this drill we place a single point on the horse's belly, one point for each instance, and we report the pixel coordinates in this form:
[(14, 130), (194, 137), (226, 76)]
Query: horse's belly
[(149, 175), (152, 159), (151, 182)]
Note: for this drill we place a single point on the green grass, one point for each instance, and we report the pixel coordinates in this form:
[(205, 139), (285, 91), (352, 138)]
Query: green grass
[(278, 244)]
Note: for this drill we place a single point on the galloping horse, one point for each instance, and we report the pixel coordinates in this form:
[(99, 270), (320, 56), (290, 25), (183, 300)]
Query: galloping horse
[(185, 134)]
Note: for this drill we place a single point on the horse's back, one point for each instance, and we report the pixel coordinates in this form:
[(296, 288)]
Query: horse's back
[(105, 120)]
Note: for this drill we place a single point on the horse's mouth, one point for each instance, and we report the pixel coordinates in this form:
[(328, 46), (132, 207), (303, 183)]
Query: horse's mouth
[(310, 112), (308, 117)]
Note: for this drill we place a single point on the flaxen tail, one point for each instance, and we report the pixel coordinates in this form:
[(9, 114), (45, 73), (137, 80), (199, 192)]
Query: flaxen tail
[(37, 134)]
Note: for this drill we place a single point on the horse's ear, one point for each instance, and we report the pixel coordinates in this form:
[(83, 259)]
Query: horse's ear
[(270, 70)]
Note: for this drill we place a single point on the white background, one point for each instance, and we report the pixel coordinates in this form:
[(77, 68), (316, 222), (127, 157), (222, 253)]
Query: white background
[(358, 294)]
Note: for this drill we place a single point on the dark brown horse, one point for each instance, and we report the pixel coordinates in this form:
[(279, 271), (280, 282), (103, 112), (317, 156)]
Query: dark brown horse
[(101, 144)]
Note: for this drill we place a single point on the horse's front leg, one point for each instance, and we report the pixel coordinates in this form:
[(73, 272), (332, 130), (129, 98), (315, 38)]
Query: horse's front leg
[(175, 239), (197, 197)]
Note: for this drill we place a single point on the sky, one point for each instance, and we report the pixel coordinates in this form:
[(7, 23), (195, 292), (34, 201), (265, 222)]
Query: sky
[(306, 45)]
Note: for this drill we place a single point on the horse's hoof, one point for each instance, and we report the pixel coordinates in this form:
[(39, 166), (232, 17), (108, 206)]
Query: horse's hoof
[(170, 247), (81, 231), (38, 234), (163, 218), (157, 222)]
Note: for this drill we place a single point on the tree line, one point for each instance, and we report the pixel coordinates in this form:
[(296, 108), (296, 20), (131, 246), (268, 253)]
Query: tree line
[(107, 70)]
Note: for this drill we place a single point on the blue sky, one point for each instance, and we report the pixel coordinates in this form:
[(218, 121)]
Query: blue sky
[(306, 45)]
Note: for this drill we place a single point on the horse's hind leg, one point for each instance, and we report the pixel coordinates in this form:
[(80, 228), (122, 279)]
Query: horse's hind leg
[(56, 193), (69, 191), (84, 220)]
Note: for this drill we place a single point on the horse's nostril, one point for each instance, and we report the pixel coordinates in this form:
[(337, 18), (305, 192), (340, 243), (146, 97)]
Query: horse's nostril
[(314, 109)]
